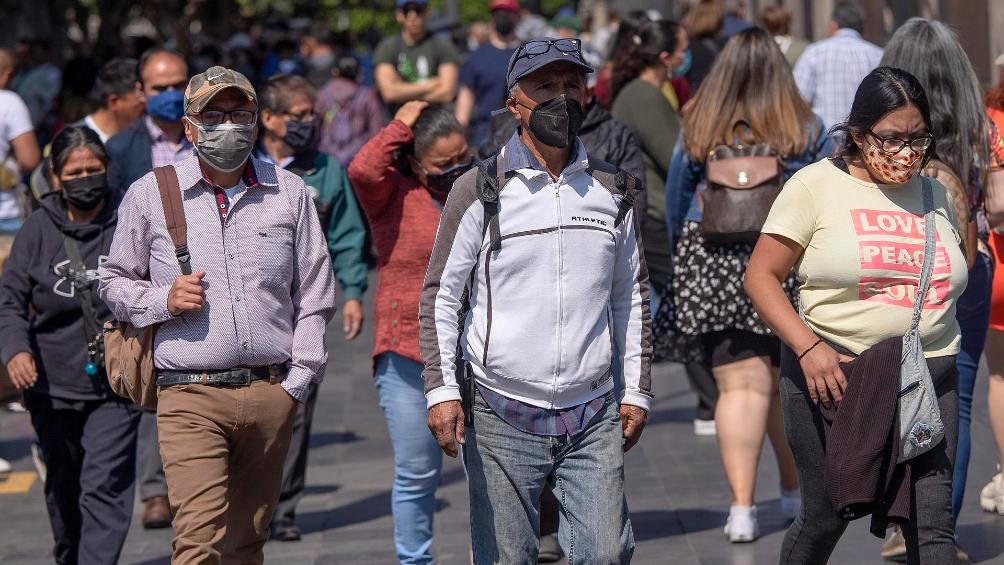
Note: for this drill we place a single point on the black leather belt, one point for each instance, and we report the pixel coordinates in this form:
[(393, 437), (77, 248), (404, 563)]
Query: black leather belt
[(241, 376)]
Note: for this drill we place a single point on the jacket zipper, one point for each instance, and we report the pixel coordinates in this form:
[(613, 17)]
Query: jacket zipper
[(561, 313)]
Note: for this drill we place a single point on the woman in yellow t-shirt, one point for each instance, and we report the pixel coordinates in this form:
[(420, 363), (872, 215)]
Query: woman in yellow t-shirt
[(853, 229)]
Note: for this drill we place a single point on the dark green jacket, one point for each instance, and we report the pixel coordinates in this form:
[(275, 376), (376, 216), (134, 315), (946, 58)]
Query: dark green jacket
[(340, 218)]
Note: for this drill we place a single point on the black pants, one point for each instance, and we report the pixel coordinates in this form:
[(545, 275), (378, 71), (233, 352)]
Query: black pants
[(930, 537), (294, 469), (90, 456)]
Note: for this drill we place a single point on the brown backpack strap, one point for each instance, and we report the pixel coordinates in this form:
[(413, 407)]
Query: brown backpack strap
[(174, 214)]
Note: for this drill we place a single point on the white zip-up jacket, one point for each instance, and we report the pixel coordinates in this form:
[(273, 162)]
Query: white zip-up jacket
[(560, 310)]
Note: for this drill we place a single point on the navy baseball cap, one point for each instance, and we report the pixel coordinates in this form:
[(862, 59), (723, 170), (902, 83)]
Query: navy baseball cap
[(538, 53), (401, 3)]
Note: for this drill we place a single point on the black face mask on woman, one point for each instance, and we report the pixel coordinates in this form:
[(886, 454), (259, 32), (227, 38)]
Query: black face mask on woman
[(85, 193), (557, 121), (443, 182)]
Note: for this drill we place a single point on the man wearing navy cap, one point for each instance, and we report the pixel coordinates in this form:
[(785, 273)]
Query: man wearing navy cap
[(557, 336)]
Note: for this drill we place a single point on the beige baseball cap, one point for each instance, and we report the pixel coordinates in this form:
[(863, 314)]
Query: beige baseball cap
[(204, 86)]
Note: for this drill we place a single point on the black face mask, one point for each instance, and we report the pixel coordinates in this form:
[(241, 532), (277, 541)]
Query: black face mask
[(300, 136), (85, 193), (443, 182), (505, 22), (557, 121)]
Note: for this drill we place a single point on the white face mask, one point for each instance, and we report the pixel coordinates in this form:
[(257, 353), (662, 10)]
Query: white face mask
[(224, 147)]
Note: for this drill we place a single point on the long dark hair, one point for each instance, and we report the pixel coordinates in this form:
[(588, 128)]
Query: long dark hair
[(931, 51), (882, 91), (642, 50), (435, 122), (72, 138)]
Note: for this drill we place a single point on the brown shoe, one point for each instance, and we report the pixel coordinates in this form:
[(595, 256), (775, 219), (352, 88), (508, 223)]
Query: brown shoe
[(157, 513)]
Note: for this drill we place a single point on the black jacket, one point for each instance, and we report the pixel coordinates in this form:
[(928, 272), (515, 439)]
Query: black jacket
[(40, 310), (130, 155)]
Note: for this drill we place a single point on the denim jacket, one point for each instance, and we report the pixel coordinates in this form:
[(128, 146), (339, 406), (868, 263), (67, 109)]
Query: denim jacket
[(686, 177)]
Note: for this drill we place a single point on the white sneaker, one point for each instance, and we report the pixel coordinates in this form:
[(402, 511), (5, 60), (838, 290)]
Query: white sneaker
[(791, 503), (741, 526), (705, 428), (4, 466), (992, 496)]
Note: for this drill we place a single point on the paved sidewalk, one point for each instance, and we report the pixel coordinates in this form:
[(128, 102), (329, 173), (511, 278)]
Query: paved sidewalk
[(676, 489)]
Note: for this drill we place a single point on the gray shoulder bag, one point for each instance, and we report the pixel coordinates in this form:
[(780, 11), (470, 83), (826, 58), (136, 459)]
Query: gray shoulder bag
[(920, 425)]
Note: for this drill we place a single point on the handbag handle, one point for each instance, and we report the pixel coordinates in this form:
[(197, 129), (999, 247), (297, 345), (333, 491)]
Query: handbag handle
[(927, 270), (735, 126)]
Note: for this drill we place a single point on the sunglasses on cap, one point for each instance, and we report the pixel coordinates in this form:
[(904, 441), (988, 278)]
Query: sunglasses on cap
[(537, 47)]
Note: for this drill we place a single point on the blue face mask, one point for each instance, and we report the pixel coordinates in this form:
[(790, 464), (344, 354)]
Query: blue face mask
[(684, 68), (168, 105)]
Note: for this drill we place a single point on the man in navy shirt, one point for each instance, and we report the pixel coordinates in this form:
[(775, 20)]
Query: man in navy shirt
[(482, 76)]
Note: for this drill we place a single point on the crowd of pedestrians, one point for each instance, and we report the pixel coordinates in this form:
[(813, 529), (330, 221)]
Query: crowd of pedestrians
[(789, 221)]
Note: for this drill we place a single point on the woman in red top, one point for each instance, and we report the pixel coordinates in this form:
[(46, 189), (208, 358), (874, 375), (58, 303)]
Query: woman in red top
[(992, 496), (401, 178)]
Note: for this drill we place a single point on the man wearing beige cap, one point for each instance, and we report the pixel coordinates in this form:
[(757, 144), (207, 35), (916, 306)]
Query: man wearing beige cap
[(240, 333)]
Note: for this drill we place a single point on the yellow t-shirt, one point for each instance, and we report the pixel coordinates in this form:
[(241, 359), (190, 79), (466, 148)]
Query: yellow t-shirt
[(864, 247)]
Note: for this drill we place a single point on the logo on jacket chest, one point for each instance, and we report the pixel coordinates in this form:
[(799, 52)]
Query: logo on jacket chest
[(588, 220)]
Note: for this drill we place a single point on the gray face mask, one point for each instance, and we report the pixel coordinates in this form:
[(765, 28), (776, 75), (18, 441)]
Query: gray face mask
[(225, 147)]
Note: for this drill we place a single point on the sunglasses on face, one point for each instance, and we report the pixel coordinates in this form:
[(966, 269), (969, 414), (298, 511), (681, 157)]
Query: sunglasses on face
[(531, 49), (893, 145)]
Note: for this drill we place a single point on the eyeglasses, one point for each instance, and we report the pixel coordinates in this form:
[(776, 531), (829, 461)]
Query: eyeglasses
[(536, 47), (217, 117), (419, 9), (893, 145)]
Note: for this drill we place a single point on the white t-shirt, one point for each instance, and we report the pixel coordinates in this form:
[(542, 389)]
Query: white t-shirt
[(864, 247), (89, 122), (15, 120)]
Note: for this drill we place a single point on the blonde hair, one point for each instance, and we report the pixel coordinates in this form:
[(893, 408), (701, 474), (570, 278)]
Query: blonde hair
[(750, 80)]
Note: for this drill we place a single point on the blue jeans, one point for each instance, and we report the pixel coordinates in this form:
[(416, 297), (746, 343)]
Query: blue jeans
[(507, 469), (973, 313), (417, 457)]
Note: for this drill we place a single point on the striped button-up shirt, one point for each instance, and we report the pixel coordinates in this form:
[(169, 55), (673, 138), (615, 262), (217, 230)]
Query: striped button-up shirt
[(269, 287), (164, 151), (828, 73)]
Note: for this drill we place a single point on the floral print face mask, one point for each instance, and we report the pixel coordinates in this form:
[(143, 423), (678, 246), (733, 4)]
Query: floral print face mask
[(893, 169)]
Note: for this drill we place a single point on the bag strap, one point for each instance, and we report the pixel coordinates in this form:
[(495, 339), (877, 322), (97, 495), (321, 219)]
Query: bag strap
[(927, 270), (93, 326), (174, 214), (489, 183)]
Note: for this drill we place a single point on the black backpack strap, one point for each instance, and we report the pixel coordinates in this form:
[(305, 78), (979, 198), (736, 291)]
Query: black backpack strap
[(489, 183), (617, 181), (629, 186)]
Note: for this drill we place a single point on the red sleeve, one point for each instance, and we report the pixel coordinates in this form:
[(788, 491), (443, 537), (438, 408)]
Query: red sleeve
[(372, 172)]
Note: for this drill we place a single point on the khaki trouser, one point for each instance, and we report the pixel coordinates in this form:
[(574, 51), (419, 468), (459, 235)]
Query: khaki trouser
[(223, 450)]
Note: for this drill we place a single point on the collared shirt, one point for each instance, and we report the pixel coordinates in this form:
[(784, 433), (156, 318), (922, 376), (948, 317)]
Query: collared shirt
[(828, 73), (164, 151), (522, 416), (260, 153), (269, 287)]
